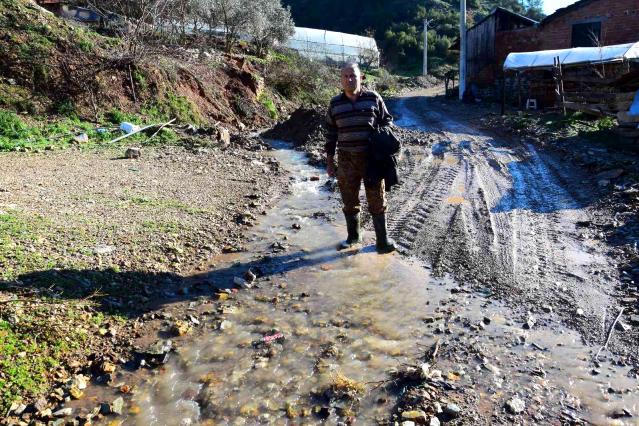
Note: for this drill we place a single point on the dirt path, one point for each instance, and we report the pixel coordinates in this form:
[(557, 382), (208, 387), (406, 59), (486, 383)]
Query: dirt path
[(504, 216)]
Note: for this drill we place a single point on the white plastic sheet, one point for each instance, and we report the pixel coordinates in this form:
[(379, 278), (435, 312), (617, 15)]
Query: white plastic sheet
[(575, 56)]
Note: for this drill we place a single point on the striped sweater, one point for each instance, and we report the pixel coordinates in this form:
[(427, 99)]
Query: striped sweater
[(350, 124)]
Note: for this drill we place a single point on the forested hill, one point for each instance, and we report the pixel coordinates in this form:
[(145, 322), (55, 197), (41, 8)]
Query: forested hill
[(397, 24)]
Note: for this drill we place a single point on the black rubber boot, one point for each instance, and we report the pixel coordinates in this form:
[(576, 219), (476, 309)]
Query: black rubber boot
[(383, 244), (354, 236)]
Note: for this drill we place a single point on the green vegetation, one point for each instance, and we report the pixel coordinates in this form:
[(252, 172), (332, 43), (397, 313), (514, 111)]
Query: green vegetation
[(300, 79), (18, 238), (383, 81), (33, 343), (18, 134), (24, 362), (115, 116), (140, 79), (173, 106), (268, 103), (165, 204), (17, 98), (66, 108), (85, 40), (556, 126), (24, 240)]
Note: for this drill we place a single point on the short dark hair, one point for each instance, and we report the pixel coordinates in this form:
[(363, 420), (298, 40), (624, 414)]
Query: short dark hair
[(352, 65)]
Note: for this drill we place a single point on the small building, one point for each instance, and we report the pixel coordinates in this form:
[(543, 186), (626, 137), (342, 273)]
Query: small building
[(590, 23), (586, 23), (489, 42), (597, 80), (54, 6)]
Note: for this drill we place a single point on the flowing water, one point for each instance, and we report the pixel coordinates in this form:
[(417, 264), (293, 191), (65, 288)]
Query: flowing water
[(357, 314)]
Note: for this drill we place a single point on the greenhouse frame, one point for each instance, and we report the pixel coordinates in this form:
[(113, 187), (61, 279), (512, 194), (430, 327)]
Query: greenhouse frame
[(334, 47)]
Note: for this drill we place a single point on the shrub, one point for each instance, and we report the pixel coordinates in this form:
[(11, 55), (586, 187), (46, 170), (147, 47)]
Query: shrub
[(269, 105), (302, 80), (12, 126)]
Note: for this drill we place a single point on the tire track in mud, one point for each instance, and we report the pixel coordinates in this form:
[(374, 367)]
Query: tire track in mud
[(422, 206), (502, 216)]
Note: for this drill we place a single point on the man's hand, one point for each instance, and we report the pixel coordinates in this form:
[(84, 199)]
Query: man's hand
[(330, 166)]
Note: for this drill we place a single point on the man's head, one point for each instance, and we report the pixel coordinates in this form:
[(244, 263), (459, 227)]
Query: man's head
[(351, 78)]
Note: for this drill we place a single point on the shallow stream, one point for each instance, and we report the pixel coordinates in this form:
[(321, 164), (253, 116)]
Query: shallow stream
[(357, 314)]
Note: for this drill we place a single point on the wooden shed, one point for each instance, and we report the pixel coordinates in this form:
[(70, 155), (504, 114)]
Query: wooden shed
[(485, 50)]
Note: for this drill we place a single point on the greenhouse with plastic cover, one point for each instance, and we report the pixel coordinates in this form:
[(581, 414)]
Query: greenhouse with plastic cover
[(334, 47)]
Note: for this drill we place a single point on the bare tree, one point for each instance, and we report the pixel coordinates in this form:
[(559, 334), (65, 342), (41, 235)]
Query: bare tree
[(269, 23), (208, 13), (142, 20), (367, 56), (234, 16)]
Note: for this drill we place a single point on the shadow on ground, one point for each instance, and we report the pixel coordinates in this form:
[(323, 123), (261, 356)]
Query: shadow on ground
[(132, 293)]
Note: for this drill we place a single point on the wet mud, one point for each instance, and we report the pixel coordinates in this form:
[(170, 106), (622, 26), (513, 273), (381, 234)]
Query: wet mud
[(317, 337)]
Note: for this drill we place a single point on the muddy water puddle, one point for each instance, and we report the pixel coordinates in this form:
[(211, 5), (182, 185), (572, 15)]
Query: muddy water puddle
[(318, 319)]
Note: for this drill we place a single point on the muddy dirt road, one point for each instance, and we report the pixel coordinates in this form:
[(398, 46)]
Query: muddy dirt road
[(504, 216), (482, 322)]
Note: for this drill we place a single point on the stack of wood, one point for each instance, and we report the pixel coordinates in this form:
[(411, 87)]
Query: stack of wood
[(600, 91)]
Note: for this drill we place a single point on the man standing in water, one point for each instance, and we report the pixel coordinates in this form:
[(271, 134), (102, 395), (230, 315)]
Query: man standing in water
[(351, 118)]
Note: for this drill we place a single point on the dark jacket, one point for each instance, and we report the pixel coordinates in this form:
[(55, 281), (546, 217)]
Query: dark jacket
[(383, 158)]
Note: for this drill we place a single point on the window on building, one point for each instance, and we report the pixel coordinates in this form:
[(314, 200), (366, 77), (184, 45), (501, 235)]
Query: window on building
[(586, 35)]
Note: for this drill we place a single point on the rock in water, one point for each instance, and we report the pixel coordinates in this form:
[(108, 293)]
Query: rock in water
[(63, 412), (417, 415), (515, 405), (452, 410), (116, 405)]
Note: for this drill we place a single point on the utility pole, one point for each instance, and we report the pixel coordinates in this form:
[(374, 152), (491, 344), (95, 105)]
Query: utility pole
[(427, 23), (462, 48)]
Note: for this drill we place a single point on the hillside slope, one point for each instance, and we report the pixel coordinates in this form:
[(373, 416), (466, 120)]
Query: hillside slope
[(50, 66)]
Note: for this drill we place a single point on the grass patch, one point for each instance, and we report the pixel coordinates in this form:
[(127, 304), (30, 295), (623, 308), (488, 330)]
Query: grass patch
[(116, 116), (173, 106), (24, 362), (18, 134), (18, 240), (269, 105), (140, 79), (554, 126), (34, 339), (17, 98), (26, 241)]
